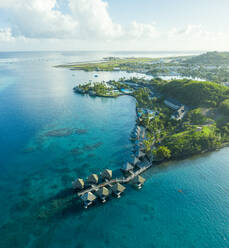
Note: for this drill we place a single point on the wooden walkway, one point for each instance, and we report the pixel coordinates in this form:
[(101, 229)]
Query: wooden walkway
[(95, 187)]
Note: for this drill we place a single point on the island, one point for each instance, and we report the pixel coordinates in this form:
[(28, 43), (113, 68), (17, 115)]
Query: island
[(175, 118), (211, 66), (181, 117)]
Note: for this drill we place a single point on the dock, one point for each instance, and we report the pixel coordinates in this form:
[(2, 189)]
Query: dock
[(123, 180), (101, 187), (115, 185)]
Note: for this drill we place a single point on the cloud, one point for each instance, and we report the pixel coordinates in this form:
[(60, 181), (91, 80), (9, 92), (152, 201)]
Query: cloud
[(94, 19), (88, 22), (5, 35), (196, 37), (88, 19), (141, 30), (38, 19)]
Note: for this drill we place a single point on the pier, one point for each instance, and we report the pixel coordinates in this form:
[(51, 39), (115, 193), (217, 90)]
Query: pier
[(95, 190), (124, 180), (103, 185)]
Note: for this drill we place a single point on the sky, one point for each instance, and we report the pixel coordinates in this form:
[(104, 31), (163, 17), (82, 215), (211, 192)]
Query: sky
[(170, 25)]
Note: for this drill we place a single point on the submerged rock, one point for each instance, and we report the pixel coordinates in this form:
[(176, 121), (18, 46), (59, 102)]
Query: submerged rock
[(76, 151), (29, 150), (91, 147), (81, 131), (63, 132)]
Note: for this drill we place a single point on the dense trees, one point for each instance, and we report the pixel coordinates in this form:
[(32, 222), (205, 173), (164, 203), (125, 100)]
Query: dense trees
[(196, 117), (191, 142), (224, 107), (210, 58), (193, 93), (162, 153)]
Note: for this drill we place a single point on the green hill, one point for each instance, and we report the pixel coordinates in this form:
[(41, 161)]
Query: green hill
[(210, 58), (194, 93)]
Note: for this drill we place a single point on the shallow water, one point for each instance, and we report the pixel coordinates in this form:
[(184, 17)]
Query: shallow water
[(49, 136)]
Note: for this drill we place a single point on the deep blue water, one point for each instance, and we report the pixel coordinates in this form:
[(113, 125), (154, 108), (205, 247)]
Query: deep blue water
[(182, 204)]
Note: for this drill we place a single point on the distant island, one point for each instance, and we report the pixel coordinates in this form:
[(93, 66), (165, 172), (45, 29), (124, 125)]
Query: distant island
[(182, 117), (211, 66)]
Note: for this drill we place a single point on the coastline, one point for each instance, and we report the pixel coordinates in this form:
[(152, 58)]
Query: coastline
[(140, 121)]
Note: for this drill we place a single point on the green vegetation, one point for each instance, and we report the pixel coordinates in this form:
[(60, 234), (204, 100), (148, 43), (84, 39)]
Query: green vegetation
[(211, 66), (210, 58), (96, 89), (162, 153), (120, 85), (192, 141), (205, 126), (193, 93), (110, 64), (196, 117), (224, 107), (142, 97), (201, 130)]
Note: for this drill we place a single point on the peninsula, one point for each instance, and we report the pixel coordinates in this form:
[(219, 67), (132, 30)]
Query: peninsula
[(181, 117), (176, 118)]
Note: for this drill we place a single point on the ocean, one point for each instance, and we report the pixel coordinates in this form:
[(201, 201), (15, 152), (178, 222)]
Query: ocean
[(49, 136)]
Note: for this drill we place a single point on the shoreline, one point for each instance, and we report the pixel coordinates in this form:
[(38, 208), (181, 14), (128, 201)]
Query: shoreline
[(223, 145)]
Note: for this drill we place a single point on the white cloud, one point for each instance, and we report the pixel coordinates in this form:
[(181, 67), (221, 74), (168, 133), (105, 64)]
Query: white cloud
[(38, 19), (94, 19), (5, 35), (196, 37), (88, 22), (142, 30)]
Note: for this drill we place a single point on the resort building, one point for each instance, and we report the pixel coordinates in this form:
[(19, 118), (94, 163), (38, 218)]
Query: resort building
[(117, 189), (93, 179), (179, 108), (139, 180), (135, 161), (106, 174), (103, 193), (174, 105), (179, 114), (140, 154), (78, 184), (88, 199), (127, 167)]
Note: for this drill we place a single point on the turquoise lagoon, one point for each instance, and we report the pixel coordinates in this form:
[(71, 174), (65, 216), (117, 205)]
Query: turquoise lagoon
[(49, 136)]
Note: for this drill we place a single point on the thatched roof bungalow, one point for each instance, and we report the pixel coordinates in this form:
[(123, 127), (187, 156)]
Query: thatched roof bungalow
[(135, 161), (88, 199), (140, 154), (117, 189), (93, 179), (78, 184), (127, 167), (106, 174), (103, 193), (139, 180)]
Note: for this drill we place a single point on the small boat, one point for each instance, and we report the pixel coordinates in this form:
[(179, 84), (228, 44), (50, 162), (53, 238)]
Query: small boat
[(96, 75)]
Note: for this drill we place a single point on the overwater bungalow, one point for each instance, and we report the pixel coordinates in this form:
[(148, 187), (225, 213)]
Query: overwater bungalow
[(106, 174), (93, 179), (137, 132), (117, 189), (140, 154), (103, 193), (88, 199), (138, 181), (135, 161), (127, 167), (78, 184)]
